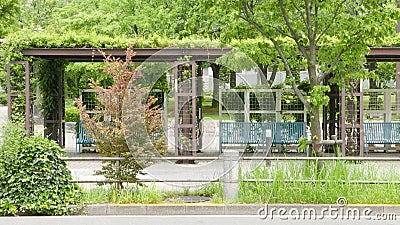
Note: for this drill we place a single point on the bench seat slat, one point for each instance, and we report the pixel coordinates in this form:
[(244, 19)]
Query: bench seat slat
[(254, 132), (382, 133)]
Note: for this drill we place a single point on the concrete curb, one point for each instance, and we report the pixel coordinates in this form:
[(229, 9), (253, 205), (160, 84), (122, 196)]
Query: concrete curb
[(232, 209)]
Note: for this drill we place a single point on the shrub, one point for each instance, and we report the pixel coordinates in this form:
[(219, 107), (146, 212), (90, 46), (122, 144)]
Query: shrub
[(34, 180), (124, 122), (71, 114), (3, 98)]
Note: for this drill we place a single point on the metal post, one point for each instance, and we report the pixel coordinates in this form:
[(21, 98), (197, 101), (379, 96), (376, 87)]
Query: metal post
[(28, 125), (9, 99), (246, 105), (398, 87), (268, 141), (176, 110), (278, 105), (388, 105), (231, 175), (268, 144), (342, 119), (11, 94)]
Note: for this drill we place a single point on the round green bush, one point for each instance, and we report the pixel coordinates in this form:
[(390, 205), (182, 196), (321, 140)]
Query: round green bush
[(34, 180), (71, 114)]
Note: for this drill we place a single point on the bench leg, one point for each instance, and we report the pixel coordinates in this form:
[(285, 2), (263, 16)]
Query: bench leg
[(78, 148)]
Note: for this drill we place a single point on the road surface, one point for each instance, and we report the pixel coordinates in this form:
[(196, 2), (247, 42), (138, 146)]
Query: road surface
[(177, 220)]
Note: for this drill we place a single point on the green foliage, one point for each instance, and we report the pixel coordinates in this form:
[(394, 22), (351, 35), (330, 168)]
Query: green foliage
[(212, 190), (3, 98), (302, 144), (34, 180), (121, 127), (78, 77), (325, 37), (325, 185), (384, 72), (37, 14), (131, 194), (318, 97), (47, 75), (71, 114), (9, 9)]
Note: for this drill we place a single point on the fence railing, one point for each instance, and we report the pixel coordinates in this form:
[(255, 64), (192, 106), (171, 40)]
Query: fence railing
[(230, 176)]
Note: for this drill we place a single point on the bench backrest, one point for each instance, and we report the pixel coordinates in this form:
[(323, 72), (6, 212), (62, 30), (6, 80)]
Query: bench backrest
[(382, 132), (81, 136), (254, 132)]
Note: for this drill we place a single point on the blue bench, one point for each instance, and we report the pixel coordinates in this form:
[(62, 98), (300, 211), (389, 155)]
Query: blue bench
[(254, 132), (81, 138), (381, 133)]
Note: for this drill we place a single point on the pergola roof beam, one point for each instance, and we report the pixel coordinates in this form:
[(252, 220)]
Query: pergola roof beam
[(141, 54)]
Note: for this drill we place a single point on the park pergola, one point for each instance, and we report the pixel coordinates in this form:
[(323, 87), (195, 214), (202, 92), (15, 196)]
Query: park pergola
[(185, 123), (185, 116)]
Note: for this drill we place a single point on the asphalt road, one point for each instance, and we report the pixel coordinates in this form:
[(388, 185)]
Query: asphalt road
[(177, 220)]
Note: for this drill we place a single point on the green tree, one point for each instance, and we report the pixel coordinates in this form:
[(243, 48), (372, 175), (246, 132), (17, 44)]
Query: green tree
[(110, 18), (328, 37), (9, 9), (124, 123), (37, 14)]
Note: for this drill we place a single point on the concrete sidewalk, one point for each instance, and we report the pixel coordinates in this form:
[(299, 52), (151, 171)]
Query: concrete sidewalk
[(262, 210)]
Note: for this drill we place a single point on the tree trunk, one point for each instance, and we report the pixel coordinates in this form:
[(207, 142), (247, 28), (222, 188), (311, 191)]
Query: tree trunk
[(264, 73), (273, 75), (316, 131), (315, 117), (232, 79), (264, 70)]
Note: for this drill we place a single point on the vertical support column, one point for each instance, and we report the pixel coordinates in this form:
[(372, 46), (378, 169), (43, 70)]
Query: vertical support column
[(25, 93), (194, 112), (268, 144), (185, 109), (278, 105), (398, 88), (9, 93), (352, 113), (61, 109), (199, 103), (231, 175), (398, 71), (54, 122), (246, 105), (176, 111), (220, 118), (388, 105), (343, 120), (361, 121), (28, 124)]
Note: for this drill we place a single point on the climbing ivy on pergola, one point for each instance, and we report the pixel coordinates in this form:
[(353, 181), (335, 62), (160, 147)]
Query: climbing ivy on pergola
[(54, 51)]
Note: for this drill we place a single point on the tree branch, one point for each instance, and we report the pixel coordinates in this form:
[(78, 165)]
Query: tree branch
[(292, 31), (246, 10), (299, 10), (338, 56), (316, 24), (289, 73), (254, 23), (335, 15), (298, 93), (329, 70), (308, 20)]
